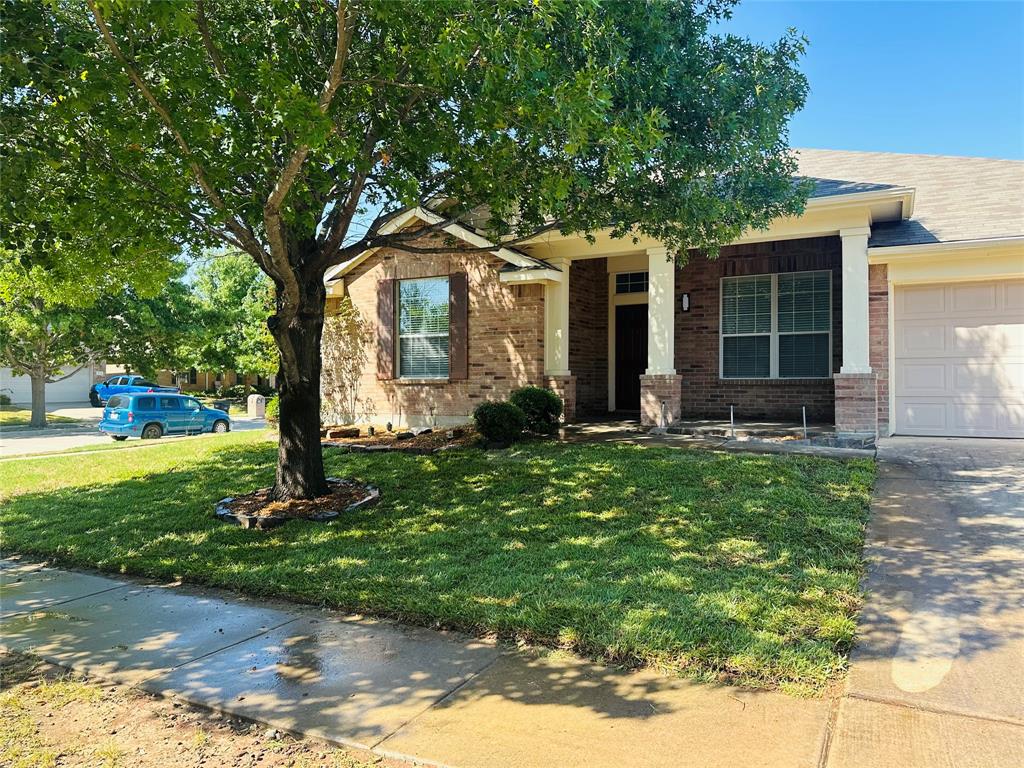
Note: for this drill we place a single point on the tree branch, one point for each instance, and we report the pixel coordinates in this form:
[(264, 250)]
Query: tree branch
[(88, 360), (204, 32), (240, 231)]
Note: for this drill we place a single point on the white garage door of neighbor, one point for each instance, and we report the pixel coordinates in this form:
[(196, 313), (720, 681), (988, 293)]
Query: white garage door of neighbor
[(74, 389), (959, 359)]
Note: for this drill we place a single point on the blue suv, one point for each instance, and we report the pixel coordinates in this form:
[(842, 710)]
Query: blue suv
[(153, 415), (123, 385)]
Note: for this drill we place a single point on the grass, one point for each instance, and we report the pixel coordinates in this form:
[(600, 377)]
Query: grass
[(13, 416), (723, 566)]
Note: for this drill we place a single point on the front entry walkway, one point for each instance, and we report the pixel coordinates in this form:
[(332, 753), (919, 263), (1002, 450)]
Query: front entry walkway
[(937, 678)]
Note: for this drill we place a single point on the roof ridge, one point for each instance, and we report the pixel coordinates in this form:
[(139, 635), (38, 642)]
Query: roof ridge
[(904, 154)]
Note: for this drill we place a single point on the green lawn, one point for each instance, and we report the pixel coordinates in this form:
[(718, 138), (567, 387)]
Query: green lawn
[(13, 416), (723, 566)]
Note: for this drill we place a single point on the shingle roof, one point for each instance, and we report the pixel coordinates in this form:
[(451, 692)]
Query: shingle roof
[(957, 198), (829, 187)]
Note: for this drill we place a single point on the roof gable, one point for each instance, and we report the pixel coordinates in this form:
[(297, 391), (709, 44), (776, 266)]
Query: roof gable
[(462, 232)]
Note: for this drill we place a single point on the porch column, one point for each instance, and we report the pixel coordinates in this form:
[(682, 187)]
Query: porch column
[(660, 387), (855, 300), (855, 384), (557, 375)]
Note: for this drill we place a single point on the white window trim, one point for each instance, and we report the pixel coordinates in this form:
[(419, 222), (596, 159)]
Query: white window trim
[(398, 330), (773, 334)]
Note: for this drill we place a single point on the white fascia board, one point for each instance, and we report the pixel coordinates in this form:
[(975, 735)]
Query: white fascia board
[(527, 276), (903, 195), (884, 253)]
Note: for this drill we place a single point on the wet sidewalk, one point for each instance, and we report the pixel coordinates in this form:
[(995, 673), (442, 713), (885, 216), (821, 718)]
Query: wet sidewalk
[(437, 698)]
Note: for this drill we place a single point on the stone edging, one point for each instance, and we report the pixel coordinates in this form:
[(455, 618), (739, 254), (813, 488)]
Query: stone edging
[(389, 448), (265, 522)]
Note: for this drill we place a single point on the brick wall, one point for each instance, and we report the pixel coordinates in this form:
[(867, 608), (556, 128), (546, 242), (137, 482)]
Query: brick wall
[(878, 328), (658, 391), (704, 394), (588, 334), (857, 403), (506, 339)]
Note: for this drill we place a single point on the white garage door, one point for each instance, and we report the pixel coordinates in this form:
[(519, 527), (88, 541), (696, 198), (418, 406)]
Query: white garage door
[(959, 354), (74, 389)]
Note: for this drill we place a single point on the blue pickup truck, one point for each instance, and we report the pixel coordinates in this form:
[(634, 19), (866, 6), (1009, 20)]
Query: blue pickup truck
[(123, 384)]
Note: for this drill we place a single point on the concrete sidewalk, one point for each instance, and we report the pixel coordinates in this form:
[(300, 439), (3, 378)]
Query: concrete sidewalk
[(433, 697)]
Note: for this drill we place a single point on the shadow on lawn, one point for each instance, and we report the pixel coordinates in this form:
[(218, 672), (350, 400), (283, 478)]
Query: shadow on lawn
[(730, 567)]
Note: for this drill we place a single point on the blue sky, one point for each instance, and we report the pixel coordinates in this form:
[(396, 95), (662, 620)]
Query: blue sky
[(941, 78)]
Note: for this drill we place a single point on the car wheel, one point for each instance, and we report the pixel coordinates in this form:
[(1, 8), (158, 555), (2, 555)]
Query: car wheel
[(152, 432), (94, 401), (220, 427), (120, 438)]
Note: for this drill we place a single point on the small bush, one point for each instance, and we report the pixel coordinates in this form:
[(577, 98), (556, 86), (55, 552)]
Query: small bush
[(500, 422), (5, 399), (542, 408), (237, 392), (273, 409), (263, 389)]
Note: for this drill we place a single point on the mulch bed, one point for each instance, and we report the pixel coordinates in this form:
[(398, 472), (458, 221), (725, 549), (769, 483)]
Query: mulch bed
[(425, 442), (258, 510)]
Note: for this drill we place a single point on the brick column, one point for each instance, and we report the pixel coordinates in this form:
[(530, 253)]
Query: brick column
[(856, 403), (658, 388), (565, 388)]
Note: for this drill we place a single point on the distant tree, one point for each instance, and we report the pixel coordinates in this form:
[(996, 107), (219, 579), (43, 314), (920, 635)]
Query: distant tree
[(273, 127), (234, 299), (44, 338), (153, 333)]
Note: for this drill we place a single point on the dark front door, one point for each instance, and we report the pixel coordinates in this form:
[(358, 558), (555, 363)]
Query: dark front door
[(630, 354)]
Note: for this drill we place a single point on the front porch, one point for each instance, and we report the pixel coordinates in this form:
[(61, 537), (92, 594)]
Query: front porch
[(634, 333)]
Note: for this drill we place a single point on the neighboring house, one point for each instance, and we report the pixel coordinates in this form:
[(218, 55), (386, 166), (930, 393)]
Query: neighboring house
[(74, 389), (201, 381), (894, 304)]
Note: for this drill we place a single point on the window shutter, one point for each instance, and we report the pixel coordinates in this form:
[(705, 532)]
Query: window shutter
[(386, 329), (458, 318)]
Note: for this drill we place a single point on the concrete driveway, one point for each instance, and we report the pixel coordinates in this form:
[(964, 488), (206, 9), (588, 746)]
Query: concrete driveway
[(937, 678)]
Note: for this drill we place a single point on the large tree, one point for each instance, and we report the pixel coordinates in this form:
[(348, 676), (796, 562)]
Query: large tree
[(275, 126)]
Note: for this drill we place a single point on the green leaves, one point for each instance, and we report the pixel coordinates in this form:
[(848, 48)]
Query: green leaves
[(232, 301), (581, 112)]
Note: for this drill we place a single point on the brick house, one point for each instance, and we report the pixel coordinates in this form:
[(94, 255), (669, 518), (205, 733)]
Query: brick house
[(894, 304)]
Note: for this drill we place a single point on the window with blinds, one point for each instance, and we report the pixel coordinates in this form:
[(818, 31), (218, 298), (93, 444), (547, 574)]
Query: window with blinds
[(777, 326), (423, 328), (746, 327), (804, 324)]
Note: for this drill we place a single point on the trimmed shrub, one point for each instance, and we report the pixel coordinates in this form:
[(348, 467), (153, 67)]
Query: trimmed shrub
[(237, 392), (5, 399), (500, 422), (542, 408), (273, 409)]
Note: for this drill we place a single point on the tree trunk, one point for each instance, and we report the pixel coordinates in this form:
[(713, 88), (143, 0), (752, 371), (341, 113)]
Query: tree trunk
[(38, 400), (300, 466)]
